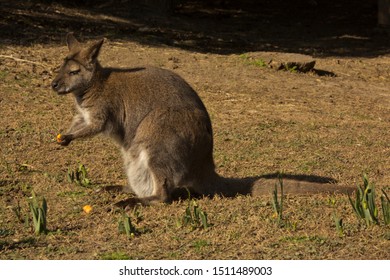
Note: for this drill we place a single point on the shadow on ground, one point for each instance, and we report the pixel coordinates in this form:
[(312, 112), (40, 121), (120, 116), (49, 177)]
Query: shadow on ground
[(315, 27)]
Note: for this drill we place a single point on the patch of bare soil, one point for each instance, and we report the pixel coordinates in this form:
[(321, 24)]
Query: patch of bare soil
[(331, 122)]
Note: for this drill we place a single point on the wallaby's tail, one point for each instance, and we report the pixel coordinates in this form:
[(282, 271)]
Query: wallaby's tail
[(292, 185)]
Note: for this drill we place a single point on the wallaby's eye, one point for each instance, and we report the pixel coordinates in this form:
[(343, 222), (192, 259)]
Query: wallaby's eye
[(75, 72)]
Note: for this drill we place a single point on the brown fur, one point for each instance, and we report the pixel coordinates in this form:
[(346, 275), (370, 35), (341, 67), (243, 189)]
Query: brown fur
[(161, 125)]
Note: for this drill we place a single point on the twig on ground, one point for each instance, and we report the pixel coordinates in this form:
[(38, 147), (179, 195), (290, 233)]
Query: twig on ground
[(23, 60)]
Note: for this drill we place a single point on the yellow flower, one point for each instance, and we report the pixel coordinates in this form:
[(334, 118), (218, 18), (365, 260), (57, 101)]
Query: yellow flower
[(87, 208), (59, 137)]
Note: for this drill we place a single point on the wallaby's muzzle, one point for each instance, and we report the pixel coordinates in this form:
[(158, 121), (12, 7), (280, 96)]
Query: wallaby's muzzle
[(54, 85), (58, 86), (62, 84)]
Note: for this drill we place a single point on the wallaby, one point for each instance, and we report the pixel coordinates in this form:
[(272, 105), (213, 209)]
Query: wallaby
[(161, 125)]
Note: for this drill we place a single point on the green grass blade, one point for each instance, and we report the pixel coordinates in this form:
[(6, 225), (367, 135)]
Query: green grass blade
[(203, 217), (385, 202)]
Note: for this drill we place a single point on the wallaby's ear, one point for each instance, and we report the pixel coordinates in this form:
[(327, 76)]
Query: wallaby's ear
[(92, 52), (72, 42)]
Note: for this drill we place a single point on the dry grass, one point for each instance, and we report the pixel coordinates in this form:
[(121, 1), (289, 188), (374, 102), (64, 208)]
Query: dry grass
[(264, 122)]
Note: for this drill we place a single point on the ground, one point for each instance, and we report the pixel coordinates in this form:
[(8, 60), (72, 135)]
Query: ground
[(331, 122)]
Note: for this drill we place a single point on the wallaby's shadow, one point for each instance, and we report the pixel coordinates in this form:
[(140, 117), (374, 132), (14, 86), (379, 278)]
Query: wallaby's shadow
[(264, 185), (323, 73), (294, 184), (112, 188), (298, 177)]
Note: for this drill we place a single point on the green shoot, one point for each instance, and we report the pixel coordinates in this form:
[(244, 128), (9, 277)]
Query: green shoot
[(253, 61), (291, 68), (339, 224), (385, 201), (126, 226), (364, 203), (337, 220), (18, 212), (194, 216), (38, 210), (79, 176)]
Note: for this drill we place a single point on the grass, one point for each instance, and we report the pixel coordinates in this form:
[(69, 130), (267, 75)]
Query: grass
[(3, 74), (115, 256), (5, 232), (19, 214), (200, 245), (263, 122), (258, 62)]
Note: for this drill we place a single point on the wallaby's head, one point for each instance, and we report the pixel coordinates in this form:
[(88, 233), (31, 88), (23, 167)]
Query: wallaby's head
[(77, 71)]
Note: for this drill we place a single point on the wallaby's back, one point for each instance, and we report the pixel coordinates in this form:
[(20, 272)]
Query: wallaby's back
[(132, 94)]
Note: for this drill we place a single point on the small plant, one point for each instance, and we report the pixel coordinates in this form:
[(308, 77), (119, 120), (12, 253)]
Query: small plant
[(79, 176), (5, 232), (339, 224), (18, 212), (194, 217), (337, 220), (126, 226), (364, 203), (200, 244), (137, 215), (277, 203), (22, 218), (385, 201), (38, 208), (115, 256), (253, 61), (291, 68), (258, 62)]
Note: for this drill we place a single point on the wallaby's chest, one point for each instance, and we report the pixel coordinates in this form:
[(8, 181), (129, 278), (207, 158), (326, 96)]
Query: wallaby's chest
[(85, 114)]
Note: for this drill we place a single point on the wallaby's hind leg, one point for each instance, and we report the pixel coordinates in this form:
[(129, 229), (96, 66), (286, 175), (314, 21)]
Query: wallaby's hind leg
[(145, 180)]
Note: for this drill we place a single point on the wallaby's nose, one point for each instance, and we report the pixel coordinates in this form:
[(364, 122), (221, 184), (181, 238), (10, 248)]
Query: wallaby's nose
[(54, 84)]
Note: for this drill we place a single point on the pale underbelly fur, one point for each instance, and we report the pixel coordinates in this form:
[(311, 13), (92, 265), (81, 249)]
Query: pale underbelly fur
[(139, 175)]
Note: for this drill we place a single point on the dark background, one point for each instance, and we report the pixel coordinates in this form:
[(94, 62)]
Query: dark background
[(315, 27)]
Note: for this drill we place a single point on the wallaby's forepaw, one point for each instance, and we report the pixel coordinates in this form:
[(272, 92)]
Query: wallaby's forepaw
[(63, 140)]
